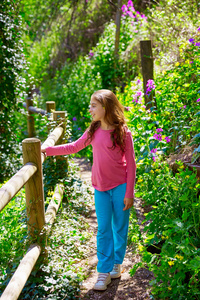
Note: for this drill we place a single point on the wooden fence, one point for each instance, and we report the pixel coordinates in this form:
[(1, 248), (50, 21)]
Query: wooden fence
[(30, 175)]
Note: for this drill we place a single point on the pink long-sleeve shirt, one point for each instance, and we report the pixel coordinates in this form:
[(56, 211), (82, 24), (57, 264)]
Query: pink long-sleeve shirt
[(110, 167)]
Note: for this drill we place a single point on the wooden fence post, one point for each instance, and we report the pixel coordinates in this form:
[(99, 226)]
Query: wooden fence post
[(50, 106), (59, 117), (147, 69), (117, 33), (30, 118), (34, 187)]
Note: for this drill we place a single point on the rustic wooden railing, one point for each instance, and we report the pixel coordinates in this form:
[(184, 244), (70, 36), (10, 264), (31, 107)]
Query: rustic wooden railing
[(30, 175)]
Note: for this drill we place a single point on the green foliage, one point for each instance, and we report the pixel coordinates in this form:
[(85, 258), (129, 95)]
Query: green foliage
[(72, 90), (59, 275), (170, 24), (12, 84), (172, 226), (58, 31), (175, 113), (13, 230)]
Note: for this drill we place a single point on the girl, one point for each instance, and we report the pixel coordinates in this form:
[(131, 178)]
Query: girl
[(113, 178)]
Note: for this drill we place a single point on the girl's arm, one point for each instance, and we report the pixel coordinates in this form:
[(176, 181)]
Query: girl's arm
[(69, 148), (130, 165)]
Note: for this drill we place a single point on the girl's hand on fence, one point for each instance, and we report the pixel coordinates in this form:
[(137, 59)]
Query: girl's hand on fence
[(43, 151), (128, 203)]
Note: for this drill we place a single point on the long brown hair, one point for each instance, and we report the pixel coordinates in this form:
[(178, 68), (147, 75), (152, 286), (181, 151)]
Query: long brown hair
[(114, 116)]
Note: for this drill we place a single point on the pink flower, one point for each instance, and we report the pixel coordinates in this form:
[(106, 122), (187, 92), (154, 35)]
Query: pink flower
[(159, 130), (124, 8), (157, 137), (198, 100), (154, 150), (130, 3), (127, 108), (130, 14), (167, 138), (91, 54), (154, 159), (184, 106)]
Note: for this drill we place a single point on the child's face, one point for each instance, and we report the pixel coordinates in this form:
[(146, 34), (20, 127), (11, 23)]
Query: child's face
[(96, 110)]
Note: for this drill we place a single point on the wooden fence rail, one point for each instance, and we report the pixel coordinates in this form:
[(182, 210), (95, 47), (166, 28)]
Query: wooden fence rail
[(30, 175)]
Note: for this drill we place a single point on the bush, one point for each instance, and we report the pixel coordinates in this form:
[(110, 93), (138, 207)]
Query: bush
[(172, 228), (12, 85)]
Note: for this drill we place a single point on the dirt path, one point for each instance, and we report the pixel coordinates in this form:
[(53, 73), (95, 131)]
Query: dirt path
[(126, 287)]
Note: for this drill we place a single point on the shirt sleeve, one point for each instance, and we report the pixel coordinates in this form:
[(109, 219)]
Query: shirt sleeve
[(69, 148), (130, 165)]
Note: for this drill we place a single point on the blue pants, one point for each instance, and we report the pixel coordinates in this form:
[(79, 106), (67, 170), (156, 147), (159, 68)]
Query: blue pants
[(112, 227)]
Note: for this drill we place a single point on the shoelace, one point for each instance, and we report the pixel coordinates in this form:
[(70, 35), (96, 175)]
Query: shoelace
[(102, 277), (115, 268)]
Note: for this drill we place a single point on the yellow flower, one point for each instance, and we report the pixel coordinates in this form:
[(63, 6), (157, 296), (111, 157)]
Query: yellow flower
[(141, 248), (152, 171), (175, 188), (140, 180), (179, 256), (169, 288), (171, 263), (177, 64), (50, 193), (187, 176), (181, 167), (157, 170)]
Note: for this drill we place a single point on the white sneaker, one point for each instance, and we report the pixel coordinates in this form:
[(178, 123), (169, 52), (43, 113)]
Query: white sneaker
[(102, 281), (116, 271)]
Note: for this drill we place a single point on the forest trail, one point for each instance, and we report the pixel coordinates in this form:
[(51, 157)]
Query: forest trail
[(126, 287)]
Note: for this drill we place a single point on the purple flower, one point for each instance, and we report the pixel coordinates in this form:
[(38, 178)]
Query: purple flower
[(154, 150), (198, 29), (124, 8), (159, 130), (91, 54), (130, 14), (191, 62), (79, 128), (184, 106), (127, 108), (191, 40), (74, 119), (138, 81), (198, 100), (157, 136), (130, 3), (167, 138), (154, 159), (197, 44), (150, 86)]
